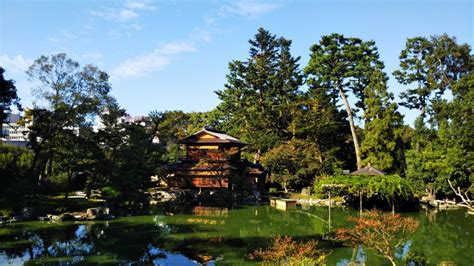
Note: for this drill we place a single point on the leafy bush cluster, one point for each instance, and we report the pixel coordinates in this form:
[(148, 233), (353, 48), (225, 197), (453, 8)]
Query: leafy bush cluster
[(286, 251)]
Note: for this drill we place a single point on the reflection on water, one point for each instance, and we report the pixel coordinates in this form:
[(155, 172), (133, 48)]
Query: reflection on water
[(212, 235)]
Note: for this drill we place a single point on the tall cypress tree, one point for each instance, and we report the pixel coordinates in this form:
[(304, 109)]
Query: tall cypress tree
[(383, 124), (259, 91)]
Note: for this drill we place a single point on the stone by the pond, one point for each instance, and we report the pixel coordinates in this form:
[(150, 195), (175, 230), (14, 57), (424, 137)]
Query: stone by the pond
[(65, 217), (162, 196), (13, 219), (306, 191), (26, 214), (99, 213)]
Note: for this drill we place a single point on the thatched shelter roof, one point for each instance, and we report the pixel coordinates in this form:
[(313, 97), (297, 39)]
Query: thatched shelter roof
[(368, 170)]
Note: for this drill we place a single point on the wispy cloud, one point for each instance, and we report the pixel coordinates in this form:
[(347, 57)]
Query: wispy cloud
[(63, 36), (140, 5), (17, 64), (205, 32), (131, 10), (251, 9), (121, 15), (144, 64)]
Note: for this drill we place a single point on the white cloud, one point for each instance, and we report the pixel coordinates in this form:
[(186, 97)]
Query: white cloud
[(140, 5), (131, 10), (17, 64), (206, 32), (177, 47), (127, 14), (62, 37), (136, 26), (250, 9), (121, 15), (144, 64)]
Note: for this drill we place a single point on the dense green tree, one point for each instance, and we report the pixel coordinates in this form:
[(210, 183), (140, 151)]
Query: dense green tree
[(432, 66), (414, 71), (343, 66), (8, 96), (383, 125), (17, 182), (214, 119), (293, 163), (130, 156), (71, 96), (316, 120), (439, 152), (259, 91), (462, 121)]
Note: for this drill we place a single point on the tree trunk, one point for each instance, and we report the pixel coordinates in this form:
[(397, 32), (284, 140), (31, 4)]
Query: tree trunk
[(353, 130), (329, 212), (256, 156), (391, 260), (360, 202), (68, 185), (393, 204)]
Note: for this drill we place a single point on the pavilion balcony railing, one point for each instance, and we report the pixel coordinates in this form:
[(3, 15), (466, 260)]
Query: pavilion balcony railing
[(209, 157)]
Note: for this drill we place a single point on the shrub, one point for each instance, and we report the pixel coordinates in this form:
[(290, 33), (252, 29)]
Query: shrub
[(286, 251), (110, 193), (378, 231)]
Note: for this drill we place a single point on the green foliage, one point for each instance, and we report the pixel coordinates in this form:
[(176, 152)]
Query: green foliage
[(383, 126), (72, 96), (387, 187), (259, 91), (432, 65), (17, 182), (110, 193), (296, 163), (444, 150), (67, 151), (339, 66), (8, 96), (264, 105)]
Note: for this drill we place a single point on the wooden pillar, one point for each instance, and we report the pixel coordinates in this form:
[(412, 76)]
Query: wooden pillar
[(329, 218)]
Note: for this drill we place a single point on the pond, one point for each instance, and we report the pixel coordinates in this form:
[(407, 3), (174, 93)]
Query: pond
[(220, 236)]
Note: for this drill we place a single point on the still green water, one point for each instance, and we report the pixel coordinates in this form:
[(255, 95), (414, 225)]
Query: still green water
[(220, 236)]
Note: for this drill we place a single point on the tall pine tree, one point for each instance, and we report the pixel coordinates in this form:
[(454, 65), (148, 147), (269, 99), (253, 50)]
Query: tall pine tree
[(342, 66)]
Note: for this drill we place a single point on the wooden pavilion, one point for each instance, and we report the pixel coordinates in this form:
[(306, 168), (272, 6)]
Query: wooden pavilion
[(213, 160)]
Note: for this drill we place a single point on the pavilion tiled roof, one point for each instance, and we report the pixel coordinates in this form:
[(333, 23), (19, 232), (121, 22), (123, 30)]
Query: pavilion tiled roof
[(220, 137)]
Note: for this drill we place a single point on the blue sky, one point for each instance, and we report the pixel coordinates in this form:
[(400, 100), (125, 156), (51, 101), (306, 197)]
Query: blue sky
[(168, 55)]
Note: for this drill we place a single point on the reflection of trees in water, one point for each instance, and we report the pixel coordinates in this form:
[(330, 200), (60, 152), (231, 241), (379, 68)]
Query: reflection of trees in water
[(75, 242), (230, 233), (72, 241), (448, 237), (444, 236)]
